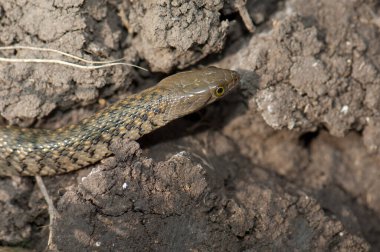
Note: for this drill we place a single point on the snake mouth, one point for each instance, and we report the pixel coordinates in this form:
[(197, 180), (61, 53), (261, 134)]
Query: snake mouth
[(207, 101)]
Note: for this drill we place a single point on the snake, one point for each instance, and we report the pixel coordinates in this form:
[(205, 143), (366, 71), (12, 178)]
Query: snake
[(48, 152)]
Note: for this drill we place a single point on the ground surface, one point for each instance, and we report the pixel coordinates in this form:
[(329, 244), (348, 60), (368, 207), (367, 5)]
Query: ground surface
[(289, 161)]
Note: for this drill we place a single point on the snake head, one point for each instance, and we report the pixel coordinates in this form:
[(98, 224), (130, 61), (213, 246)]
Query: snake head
[(192, 90)]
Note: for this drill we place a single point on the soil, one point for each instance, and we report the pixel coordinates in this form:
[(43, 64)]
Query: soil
[(288, 162)]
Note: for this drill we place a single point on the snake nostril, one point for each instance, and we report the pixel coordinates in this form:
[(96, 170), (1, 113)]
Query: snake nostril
[(235, 76)]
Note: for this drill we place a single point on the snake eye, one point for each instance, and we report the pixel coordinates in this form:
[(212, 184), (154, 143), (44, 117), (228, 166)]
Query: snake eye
[(219, 91)]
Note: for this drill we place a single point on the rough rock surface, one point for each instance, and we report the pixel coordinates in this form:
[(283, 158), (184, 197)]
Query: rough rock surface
[(175, 34)]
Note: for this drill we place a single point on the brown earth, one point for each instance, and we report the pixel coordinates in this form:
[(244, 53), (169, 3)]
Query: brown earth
[(289, 161)]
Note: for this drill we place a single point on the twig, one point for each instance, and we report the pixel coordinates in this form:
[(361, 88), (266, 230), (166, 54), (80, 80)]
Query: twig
[(53, 213), (241, 6), (32, 48), (62, 62), (99, 64)]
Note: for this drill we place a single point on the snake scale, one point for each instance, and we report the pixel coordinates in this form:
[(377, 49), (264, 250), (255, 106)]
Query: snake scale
[(30, 152)]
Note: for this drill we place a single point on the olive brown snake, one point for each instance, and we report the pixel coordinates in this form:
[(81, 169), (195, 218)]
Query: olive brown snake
[(30, 152)]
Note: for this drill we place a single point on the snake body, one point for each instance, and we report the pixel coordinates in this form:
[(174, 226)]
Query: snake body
[(30, 152)]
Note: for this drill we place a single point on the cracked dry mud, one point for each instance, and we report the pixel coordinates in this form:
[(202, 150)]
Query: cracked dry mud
[(289, 161)]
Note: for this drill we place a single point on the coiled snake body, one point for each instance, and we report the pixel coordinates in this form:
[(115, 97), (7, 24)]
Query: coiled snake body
[(29, 152)]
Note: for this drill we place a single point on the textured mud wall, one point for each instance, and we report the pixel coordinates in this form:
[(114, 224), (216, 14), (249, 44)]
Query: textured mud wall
[(82, 28), (289, 161)]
